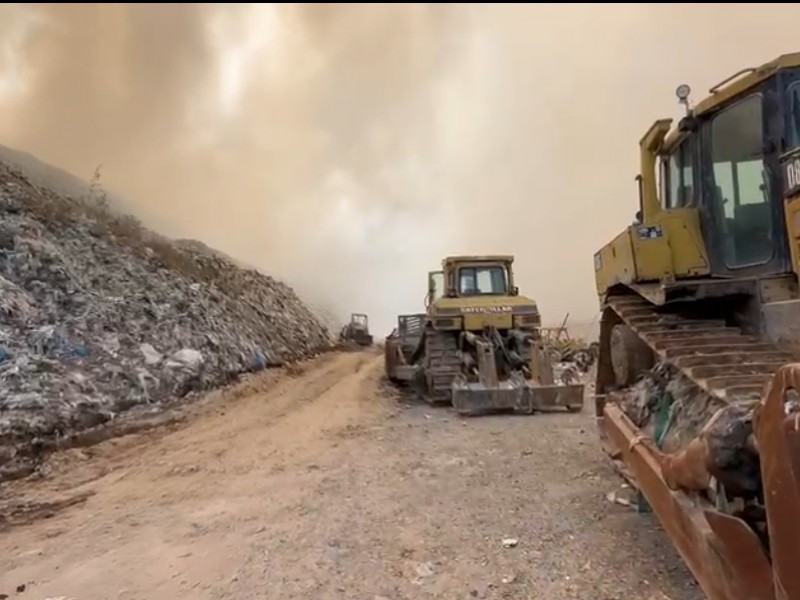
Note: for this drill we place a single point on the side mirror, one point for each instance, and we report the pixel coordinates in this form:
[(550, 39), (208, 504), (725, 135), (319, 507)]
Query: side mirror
[(515, 291)]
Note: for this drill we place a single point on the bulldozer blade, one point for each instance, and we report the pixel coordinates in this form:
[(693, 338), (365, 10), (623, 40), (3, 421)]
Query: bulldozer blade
[(778, 439), (474, 398), (570, 397), (721, 551), (363, 339)]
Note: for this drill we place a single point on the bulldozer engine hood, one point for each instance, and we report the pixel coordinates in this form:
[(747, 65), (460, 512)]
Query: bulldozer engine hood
[(475, 313)]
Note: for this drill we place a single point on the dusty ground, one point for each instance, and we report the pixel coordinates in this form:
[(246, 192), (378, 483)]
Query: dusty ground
[(323, 484)]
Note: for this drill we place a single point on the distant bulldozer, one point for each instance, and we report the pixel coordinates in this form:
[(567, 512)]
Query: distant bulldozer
[(356, 331), (478, 346)]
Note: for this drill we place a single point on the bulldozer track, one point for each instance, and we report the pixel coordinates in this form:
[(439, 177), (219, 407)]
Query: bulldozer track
[(443, 365), (721, 360)]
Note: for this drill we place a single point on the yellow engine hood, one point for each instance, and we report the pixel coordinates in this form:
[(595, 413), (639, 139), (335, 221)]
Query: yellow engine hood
[(478, 312)]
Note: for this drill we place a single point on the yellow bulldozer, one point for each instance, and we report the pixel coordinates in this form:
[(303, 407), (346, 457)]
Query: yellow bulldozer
[(478, 345), (356, 331), (701, 318)]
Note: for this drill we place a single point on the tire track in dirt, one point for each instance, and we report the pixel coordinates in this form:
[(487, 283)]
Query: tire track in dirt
[(324, 484), (160, 488)]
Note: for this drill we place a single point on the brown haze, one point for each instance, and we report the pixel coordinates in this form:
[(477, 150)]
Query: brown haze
[(348, 148)]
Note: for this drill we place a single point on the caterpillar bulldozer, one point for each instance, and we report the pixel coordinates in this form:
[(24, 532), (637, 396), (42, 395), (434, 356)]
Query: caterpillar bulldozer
[(356, 331), (705, 281), (478, 345)]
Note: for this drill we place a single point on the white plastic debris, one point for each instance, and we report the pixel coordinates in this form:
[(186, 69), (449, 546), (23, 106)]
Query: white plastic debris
[(613, 498), (151, 355), (186, 357)]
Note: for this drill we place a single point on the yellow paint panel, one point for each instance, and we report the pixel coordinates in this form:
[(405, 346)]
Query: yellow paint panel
[(614, 264), (667, 247), (793, 230), (687, 248), (678, 253), (478, 321), (468, 302), (651, 255)]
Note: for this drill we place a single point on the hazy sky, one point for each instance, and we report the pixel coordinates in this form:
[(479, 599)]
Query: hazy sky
[(349, 148)]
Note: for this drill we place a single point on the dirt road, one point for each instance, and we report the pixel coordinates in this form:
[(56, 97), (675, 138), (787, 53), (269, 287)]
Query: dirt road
[(323, 484)]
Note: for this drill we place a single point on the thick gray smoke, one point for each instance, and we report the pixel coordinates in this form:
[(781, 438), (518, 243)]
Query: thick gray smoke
[(349, 148)]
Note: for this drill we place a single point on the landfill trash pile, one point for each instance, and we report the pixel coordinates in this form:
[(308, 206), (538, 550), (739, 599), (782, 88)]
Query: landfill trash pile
[(564, 348), (576, 355), (100, 317), (701, 444), (579, 353), (668, 407)]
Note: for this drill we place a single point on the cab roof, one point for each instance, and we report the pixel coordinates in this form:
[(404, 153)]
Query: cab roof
[(743, 80), (731, 87), (479, 258)]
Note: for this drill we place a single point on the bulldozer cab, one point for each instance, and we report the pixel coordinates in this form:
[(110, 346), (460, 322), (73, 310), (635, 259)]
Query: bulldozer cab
[(359, 321), (469, 276), (719, 194), (474, 292), (732, 162), (727, 166)]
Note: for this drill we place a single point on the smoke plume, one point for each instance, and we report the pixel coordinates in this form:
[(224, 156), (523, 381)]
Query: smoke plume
[(348, 148)]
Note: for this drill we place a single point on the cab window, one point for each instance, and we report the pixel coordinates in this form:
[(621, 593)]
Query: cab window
[(436, 284), (793, 109), (482, 280), (678, 177), (740, 196)]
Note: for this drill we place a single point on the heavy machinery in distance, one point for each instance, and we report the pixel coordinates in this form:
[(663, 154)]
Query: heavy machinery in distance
[(356, 331), (477, 346), (704, 286)]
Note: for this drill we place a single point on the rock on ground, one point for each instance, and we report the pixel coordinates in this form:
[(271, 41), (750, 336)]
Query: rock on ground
[(100, 317)]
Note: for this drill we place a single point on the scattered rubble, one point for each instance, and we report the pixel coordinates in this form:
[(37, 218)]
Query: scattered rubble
[(581, 354), (566, 349), (709, 442), (668, 407), (100, 317), (616, 498)]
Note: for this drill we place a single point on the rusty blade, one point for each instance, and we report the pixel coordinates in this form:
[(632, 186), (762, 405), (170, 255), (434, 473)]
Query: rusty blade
[(779, 449), (725, 557)]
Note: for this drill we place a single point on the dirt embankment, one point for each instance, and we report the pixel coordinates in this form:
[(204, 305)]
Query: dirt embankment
[(102, 319)]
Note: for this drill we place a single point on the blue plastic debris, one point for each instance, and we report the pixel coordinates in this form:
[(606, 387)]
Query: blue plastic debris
[(79, 352), (258, 362)]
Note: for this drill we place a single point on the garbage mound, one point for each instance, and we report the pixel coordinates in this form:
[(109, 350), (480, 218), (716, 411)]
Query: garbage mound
[(569, 350), (578, 353), (101, 318), (668, 407)]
